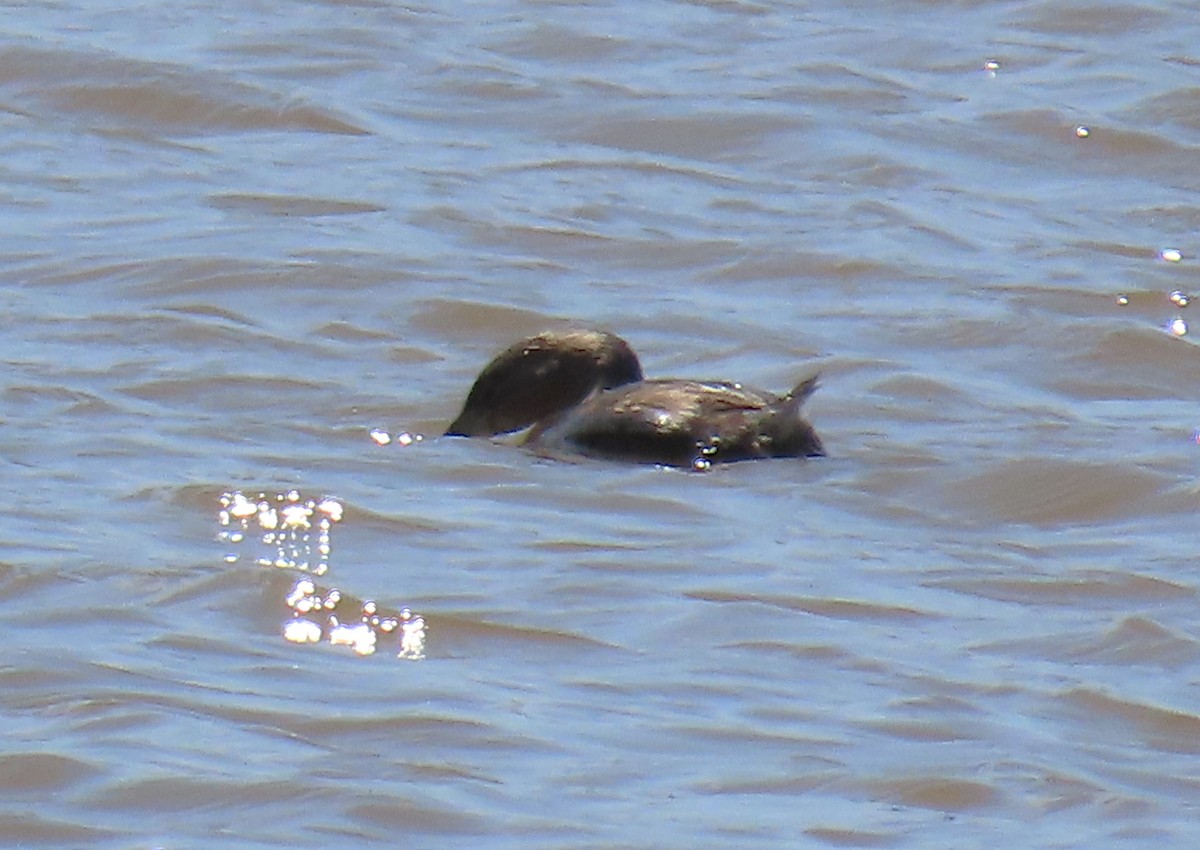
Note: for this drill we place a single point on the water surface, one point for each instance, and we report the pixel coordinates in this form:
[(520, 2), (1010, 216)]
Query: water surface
[(238, 237)]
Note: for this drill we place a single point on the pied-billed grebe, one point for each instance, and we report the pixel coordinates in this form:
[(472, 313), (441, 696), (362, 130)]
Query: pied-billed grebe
[(583, 394)]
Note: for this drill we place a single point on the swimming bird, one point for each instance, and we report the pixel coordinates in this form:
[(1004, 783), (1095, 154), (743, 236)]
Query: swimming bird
[(581, 392)]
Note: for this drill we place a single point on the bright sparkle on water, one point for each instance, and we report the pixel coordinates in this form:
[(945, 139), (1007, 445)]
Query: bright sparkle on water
[(412, 636), (282, 527), (1082, 132), (1178, 326), (331, 509), (404, 438), (308, 601), (359, 636), (1171, 255), (380, 436), (302, 631)]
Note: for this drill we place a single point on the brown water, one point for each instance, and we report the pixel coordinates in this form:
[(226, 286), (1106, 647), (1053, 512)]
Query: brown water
[(237, 237)]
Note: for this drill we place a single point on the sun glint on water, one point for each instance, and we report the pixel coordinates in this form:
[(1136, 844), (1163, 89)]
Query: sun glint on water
[(289, 531)]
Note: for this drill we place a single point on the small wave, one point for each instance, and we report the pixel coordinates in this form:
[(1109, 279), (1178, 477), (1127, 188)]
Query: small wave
[(164, 98)]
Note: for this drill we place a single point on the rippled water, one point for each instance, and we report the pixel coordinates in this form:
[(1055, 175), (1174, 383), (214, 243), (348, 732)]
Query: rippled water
[(238, 237)]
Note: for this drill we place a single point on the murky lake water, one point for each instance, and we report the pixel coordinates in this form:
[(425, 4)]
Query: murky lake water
[(238, 237)]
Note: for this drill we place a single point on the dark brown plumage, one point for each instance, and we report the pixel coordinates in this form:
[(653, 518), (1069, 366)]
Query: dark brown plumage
[(685, 423), (542, 376), (583, 393)]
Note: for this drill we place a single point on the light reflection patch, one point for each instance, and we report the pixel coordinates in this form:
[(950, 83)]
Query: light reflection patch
[(287, 530), (291, 532), (404, 438), (1179, 299)]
